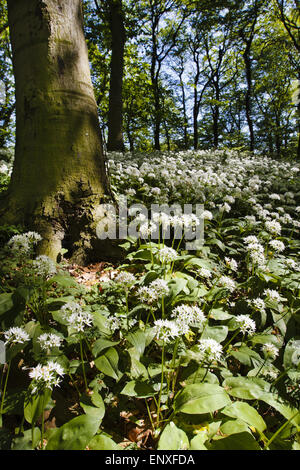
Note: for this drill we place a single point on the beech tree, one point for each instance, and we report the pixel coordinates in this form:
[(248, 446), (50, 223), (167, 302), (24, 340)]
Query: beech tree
[(59, 178)]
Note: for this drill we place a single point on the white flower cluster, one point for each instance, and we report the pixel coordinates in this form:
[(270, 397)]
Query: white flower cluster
[(273, 227), (272, 294), (186, 316), (16, 335), (166, 330), (210, 350), (246, 324), (167, 255), (44, 267), (45, 376), (125, 278), (227, 282), (23, 244), (277, 245), (269, 350), (204, 272), (152, 293), (49, 341), (231, 263), (76, 317)]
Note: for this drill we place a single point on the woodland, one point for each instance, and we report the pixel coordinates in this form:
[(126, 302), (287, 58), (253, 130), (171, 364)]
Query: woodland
[(149, 225)]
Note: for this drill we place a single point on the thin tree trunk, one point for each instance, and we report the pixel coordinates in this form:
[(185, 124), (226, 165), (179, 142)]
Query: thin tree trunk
[(115, 140), (59, 178)]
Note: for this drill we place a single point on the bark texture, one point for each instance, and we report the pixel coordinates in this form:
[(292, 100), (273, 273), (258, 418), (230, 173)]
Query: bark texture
[(59, 176), (115, 140)]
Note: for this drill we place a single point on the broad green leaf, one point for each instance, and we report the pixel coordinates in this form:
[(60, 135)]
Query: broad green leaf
[(138, 389), (75, 434), (219, 314), (246, 356), (102, 344), (218, 333), (282, 407), (245, 388), (197, 443), (234, 426), (103, 442), (139, 339), (100, 322), (246, 413), (35, 405), (108, 364), (173, 438), (239, 441), (93, 405), (25, 442), (201, 398), (6, 302)]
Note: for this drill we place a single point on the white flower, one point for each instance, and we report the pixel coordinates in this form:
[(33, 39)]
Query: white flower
[(272, 294), (186, 316), (160, 286), (47, 376), (210, 349), (16, 335), (76, 317), (44, 266), (206, 215), (270, 350), (203, 272), (259, 304), (49, 341), (167, 255), (290, 263), (275, 197), (125, 278), (114, 323), (277, 245), (166, 330), (24, 244), (227, 282), (273, 227), (247, 325), (231, 263), (251, 239)]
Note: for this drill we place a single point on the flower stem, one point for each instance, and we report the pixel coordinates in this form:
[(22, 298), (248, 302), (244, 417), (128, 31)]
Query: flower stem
[(4, 390), (82, 362)]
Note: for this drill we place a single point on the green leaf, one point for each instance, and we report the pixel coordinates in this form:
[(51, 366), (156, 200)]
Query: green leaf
[(102, 344), (219, 314), (138, 389), (218, 333), (93, 405), (246, 413), (103, 442), (6, 302), (238, 441), (234, 426), (74, 435), (246, 356), (25, 442), (140, 339), (34, 406), (245, 388), (173, 438), (197, 443), (108, 364), (201, 398)]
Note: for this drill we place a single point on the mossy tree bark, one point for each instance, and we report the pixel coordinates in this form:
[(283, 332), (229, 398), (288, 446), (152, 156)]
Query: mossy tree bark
[(59, 178)]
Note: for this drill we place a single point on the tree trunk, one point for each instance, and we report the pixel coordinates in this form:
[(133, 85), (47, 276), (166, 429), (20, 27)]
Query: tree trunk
[(59, 178), (115, 140)]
